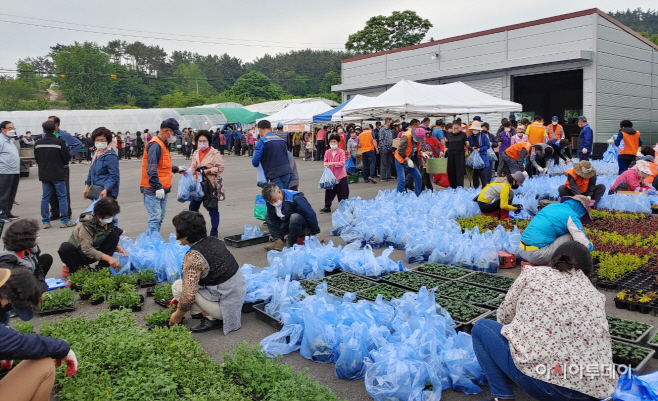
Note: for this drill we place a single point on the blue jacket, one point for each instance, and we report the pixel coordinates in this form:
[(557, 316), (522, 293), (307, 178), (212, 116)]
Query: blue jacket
[(15, 345), (104, 171), (585, 139), (294, 202), (72, 143), (483, 145), (551, 222), (237, 134), (272, 152)]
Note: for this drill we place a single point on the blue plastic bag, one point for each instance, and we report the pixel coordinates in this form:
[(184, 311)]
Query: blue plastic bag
[(349, 166), (474, 161), (283, 342), (353, 350), (251, 232), (319, 338), (261, 180), (610, 155), (328, 180), (492, 155), (186, 188)]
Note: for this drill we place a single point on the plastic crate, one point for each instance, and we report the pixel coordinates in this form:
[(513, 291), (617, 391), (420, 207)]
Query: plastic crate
[(506, 260), (353, 178)]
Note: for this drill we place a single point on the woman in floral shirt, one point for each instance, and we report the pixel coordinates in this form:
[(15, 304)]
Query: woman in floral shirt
[(551, 338)]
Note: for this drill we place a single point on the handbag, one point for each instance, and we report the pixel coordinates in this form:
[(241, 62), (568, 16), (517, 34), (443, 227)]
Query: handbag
[(210, 197), (94, 191)]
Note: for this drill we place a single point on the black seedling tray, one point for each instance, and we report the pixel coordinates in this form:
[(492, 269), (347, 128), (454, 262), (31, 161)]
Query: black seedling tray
[(137, 308), (267, 318), (85, 297), (468, 273), (637, 369), (404, 287), (464, 280), (162, 302), (147, 284), (58, 311), (248, 307), (98, 301), (236, 242)]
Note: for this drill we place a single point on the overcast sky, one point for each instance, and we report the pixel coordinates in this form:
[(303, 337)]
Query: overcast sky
[(249, 29)]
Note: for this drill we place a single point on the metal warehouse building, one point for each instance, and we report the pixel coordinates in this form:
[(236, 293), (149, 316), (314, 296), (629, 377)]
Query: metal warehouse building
[(580, 63)]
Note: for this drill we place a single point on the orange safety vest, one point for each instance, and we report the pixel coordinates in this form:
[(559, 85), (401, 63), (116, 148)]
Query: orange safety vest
[(407, 151), (582, 183), (558, 132), (164, 165), (514, 151), (365, 141), (654, 173), (631, 143), (536, 133)]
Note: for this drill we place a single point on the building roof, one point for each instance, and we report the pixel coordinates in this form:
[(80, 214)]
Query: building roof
[(510, 28), (278, 105)]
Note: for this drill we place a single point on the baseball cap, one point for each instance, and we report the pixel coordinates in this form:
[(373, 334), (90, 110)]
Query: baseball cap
[(23, 314), (278, 125), (512, 116), (477, 118), (554, 118), (172, 124)]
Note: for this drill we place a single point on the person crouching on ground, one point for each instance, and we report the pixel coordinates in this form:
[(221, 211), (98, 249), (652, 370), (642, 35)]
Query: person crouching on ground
[(500, 193), (289, 216), (334, 158), (551, 317), (32, 379), (94, 239), (581, 180), (553, 226), (212, 283), (633, 179)]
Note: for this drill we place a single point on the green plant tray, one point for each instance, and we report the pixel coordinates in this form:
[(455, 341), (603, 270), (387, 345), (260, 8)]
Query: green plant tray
[(639, 340), (468, 273), (467, 326), (653, 346), (639, 368), (404, 287), (328, 278), (47, 312), (465, 279)]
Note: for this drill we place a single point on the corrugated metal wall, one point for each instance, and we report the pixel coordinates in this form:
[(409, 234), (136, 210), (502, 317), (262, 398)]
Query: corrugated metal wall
[(626, 83)]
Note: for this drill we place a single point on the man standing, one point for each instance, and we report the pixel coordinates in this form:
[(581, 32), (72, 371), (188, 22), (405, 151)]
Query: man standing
[(585, 139), (157, 173), (386, 135), (215, 140), (368, 155), (10, 170), (410, 143), (229, 139), (512, 120), (272, 153), (439, 132), (628, 140), (52, 156), (378, 158), (536, 131), (237, 145), (319, 154), (73, 145), (555, 130)]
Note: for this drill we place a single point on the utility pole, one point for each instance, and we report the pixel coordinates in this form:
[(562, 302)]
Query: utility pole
[(197, 87)]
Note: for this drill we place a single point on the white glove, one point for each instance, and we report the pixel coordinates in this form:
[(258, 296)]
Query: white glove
[(541, 169), (160, 194), (71, 363), (610, 141), (410, 163), (584, 151)]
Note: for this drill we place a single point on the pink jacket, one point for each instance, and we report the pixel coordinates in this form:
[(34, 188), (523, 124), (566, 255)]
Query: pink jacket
[(339, 158), (516, 139), (213, 165), (630, 177)]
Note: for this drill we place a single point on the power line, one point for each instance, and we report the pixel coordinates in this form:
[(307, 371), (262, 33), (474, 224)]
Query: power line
[(158, 38), (166, 33)]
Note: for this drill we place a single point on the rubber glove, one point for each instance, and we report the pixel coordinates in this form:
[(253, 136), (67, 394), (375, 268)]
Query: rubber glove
[(160, 193), (71, 363), (410, 163), (7, 364)]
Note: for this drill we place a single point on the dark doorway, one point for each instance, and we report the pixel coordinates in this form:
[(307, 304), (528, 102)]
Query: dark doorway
[(553, 94)]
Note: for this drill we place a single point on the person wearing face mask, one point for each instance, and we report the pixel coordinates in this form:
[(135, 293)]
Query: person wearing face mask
[(554, 130), (335, 159), (513, 159), (560, 150), (272, 154), (585, 139), (343, 137), (208, 161), (499, 194), (520, 135), (633, 179), (94, 239), (457, 140), (581, 180), (410, 144), (32, 379), (541, 156), (157, 173), (537, 131), (479, 143), (10, 170), (212, 283), (103, 176), (52, 156), (289, 216)]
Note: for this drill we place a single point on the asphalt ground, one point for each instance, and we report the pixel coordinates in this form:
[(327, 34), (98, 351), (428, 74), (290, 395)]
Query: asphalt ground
[(236, 211)]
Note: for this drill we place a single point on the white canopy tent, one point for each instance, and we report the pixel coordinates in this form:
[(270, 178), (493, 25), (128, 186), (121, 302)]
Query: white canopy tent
[(276, 106), (299, 113), (410, 99)]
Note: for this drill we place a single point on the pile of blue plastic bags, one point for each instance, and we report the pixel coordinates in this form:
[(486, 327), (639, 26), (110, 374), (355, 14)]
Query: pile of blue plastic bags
[(151, 252)]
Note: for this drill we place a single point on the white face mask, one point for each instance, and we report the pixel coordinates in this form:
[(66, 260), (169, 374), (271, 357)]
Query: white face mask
[(475, 131), (554, 122), (507, 130), (277, 203), (107, 221), (11, 133), (520, 134), (100, 145), (334, 146), (172, 139), (340, 131)]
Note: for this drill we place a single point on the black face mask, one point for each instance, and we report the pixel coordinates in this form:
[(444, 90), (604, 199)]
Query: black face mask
[(516, 186)]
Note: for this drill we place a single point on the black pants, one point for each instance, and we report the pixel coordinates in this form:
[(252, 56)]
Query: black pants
[(74, 259), (427, 180), (480, 176), (46, 262), (295, 150), (340, 190), (489, 207), (599, 190), (319, 155), (378, 163), (544, 163), (8, 190), (236, 147), (456, 169), (127, 151), (54, 202)]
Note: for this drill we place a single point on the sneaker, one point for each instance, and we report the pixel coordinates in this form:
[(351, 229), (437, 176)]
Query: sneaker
[(206, 325), (373, 181), (325, 210), (11, 216), (47, 226), (4, 219), (67, 224)]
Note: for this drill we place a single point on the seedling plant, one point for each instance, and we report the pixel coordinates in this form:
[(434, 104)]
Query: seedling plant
[(24, 327), (490, 280), (60, 299), (460, 311), (467, 292), (388, 291), (349, 282), (628, 354), (125, 297), (446, 271), (413, 280), (626, 329)]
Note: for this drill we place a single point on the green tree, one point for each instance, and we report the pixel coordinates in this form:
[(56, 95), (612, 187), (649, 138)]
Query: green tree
[(86, 83), (12, 91), (179, 99), (256, 85), (330, 78), (131, 88), (381, 33), (653, 38), (27, 74), (189, 79), (638, 20)]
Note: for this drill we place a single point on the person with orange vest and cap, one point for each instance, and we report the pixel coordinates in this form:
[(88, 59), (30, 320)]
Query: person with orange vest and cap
[(554, 130), (628, 140), (411, 139), (513, 159), (157, 173), (536, 131), (581, 180)]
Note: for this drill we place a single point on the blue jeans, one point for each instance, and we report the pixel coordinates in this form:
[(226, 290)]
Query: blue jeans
[(415, 174), (214, 216), (282, 182), (623, 164), (156, 209), (368, 159), (60, 189), (584, 157), (492, 351)]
